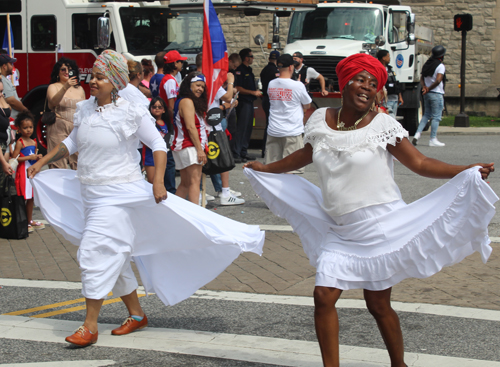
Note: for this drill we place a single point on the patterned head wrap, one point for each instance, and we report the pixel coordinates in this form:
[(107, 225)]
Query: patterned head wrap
[(354, 64), (114, 66)]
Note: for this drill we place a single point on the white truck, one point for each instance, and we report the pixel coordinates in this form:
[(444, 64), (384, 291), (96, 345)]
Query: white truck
[(335, 30)]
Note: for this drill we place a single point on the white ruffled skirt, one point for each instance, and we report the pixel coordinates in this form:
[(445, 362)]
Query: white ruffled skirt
[(377, 247), (177, 246)]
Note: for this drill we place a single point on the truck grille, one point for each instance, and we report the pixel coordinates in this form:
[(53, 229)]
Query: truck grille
[(325, 65)]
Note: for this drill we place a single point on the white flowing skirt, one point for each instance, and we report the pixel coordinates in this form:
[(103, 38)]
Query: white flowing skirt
[(377, 247), (177, 246)]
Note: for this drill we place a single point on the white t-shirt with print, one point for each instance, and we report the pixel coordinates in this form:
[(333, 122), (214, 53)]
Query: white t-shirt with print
[(171, 88), (286, 116), (431, 79)]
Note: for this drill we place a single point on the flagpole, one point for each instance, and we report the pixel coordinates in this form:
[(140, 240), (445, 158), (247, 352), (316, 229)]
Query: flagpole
[(9, 35)]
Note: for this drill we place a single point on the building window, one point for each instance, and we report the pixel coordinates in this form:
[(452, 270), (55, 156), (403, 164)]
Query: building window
[(43, 33)]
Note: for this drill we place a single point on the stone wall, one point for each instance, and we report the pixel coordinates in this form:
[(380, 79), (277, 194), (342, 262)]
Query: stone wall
[(240, 31)]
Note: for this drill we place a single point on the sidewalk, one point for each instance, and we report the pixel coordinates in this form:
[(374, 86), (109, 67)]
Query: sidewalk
[(283, 269), (450, 130)]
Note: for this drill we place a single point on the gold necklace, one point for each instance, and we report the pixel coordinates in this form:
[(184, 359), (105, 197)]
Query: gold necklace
[(341, 125)]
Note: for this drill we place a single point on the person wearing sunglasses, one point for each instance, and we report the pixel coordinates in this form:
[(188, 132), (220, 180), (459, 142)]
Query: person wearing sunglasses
[(63, 94), (248, 93)]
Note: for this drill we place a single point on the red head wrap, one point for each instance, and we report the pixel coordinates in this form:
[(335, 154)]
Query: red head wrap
[(354, 64)]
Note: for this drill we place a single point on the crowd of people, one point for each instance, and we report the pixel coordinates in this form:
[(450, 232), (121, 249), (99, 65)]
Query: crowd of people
[(355, 229)]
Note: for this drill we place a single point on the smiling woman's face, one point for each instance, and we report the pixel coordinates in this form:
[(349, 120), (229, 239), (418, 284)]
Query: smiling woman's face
[(197, 88), (100, 86), (361, 90)]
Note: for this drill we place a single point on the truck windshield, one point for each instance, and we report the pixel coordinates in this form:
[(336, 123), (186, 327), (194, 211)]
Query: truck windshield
[(151, 30), (362, 24)]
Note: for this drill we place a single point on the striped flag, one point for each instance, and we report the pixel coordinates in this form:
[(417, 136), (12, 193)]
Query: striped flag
[(215, 57), (5, 44)]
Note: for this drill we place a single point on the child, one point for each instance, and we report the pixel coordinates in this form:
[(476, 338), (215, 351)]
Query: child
[(158, 108), (26, 148)]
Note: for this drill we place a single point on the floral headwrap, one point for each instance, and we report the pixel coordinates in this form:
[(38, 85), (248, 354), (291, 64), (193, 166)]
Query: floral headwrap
[(114, 66)]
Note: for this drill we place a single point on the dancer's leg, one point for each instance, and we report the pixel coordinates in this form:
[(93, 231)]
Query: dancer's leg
[(93, 309), (132, 302), (379, 305), (327, 324)]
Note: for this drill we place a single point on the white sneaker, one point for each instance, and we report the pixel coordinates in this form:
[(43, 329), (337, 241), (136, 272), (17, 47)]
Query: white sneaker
[(218, 194), (209, 197), (199, 202), (415, 139), (436, 143), (231, 200)]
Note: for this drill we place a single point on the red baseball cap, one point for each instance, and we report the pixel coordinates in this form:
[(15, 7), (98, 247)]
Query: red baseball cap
[(173, 56)]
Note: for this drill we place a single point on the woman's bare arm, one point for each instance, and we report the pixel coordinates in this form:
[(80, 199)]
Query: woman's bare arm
[(294, 161), (411, 157)]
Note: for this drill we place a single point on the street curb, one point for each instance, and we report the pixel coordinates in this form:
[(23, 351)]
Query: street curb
[(449, 130)]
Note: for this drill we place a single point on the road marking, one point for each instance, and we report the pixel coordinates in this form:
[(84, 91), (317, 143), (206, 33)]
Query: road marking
[(62, 304), (46, 307), (425, 308), (257, 349), (275, 228), (104, 362)]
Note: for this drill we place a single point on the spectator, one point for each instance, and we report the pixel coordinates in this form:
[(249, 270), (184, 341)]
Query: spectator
[(234, 62), (158, 110), (148, 72), (432, 81), (220, 181), (288, 100), (394, 97), (63, 94), (136, 75), (267, 74), (169, 88), (27, 150), (305, 73), (245, 85), (154, 82), (10, 93), (131, 92), (190, 137), (4, 134)]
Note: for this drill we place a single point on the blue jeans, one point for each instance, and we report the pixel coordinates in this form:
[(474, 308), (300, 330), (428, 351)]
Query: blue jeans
[(169, 177), (433, 107), (392, 108)]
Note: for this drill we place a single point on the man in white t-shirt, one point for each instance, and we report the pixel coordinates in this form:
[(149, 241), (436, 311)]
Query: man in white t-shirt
[(432, 81), (305, 74), (288, 99)]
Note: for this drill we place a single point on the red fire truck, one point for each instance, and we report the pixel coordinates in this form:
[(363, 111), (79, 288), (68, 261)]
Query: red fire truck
[(45, 30)]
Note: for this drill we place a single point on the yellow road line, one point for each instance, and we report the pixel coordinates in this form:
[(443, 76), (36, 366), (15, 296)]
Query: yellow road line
[(77, 308), (54, 305)]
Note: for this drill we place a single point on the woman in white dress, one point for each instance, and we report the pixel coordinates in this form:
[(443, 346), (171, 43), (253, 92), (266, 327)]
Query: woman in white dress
[(113, 215), (356, 230)]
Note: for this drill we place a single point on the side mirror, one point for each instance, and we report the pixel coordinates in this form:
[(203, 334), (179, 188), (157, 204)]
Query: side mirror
[(380, 41), (411, 38), (411, 23), (259, 40), (103, 32)]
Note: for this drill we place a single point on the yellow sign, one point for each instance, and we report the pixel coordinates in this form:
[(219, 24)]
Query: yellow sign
[(6, 217), (213, 150)]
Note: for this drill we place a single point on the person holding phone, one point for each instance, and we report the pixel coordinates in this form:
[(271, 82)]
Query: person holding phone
[(63, 94)]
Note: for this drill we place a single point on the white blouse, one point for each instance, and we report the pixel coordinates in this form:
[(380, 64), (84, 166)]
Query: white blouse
[(354, 167), (107, 138)]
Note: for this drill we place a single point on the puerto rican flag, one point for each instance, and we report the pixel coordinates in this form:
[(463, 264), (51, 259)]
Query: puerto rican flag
[(215, 58)]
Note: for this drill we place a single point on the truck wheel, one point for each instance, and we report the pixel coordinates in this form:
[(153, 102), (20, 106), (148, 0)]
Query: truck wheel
[(410, 120)]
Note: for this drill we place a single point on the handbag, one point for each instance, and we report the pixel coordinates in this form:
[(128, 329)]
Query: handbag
[(219, 158), (14, 221), (48, 116)]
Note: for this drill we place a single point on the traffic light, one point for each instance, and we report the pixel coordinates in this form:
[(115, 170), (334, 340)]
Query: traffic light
[(462, 22)]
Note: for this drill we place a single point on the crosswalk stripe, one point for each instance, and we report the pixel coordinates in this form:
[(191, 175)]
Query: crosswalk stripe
[(257, 349)]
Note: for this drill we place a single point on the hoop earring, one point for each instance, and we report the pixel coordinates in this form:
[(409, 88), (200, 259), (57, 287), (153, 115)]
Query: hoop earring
[(114, 95)]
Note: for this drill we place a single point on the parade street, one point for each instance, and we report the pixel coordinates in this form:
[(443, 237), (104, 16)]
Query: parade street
[(259, 312)]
